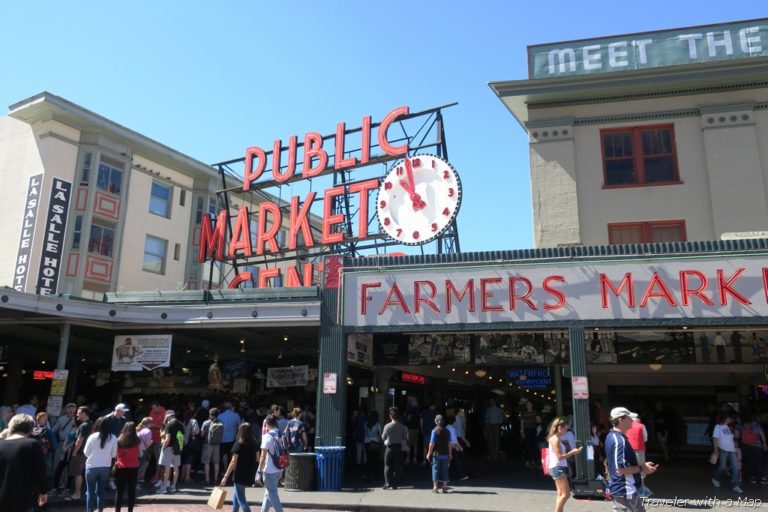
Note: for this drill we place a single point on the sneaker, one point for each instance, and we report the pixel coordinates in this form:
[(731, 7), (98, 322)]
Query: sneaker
[(764, 480), (715, 483), (464, 478), (753, 480), (171, 490), (112, 486), (158, 484), (738, 490), (162, 490)]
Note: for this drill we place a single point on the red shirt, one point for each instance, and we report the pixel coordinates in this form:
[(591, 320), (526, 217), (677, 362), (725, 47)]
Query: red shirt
[(636, 435), (127, 457), (158, 416)]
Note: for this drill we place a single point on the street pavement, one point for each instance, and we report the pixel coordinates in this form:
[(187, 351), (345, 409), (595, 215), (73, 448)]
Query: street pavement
[(496, 489)]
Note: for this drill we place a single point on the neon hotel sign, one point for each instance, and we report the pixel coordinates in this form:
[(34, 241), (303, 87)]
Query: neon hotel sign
[(270, 218)]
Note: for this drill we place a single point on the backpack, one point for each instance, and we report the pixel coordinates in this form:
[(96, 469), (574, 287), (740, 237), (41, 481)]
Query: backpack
[(215, 432), (176, 433), (749, 435), (41, 434), (280, 458)]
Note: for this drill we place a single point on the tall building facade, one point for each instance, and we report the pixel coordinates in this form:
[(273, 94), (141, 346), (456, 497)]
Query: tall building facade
[(651, 137), (94, 207)]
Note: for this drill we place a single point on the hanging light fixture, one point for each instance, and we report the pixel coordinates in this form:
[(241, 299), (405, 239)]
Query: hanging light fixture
[(242, 345)]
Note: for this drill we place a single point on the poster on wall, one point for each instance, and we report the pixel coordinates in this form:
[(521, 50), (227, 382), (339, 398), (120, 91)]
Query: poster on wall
[(59, 382), (360, 349), (55, 230), (600, 347), (141, 352), (26, 238), (506, 347), (390, 349), (288, 376), (655, 347), (556, 348), (731, 346), (439, 348)]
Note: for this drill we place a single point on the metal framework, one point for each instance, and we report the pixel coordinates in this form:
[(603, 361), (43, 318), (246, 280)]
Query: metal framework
[(424, 132)]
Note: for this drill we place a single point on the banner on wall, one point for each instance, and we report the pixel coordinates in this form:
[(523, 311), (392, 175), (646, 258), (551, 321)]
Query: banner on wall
[(26, 238), (288, 376), (142, 352), (360, 349), (53, 242)]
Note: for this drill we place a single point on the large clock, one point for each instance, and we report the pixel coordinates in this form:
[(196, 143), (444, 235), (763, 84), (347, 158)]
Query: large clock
[(418, 199)]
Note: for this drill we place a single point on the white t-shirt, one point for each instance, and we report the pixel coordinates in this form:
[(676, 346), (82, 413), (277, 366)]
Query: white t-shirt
[(98, 457), (268, 442), (725, 437)]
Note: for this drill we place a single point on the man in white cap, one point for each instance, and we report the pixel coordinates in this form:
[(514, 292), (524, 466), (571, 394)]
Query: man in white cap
[(624, 471), (114, 423)]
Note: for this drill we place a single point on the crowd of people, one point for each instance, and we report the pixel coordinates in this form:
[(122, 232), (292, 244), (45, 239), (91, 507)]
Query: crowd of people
[(86, 453)]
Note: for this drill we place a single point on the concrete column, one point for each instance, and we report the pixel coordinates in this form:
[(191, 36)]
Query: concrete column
[(581, 424), (558, 374), (61, 363), (382, 400)]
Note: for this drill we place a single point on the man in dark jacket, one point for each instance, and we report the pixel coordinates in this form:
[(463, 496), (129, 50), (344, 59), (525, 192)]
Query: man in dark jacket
[(22, 468)]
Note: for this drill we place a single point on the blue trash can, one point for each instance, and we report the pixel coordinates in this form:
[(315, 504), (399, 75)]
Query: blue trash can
[(330, 467)]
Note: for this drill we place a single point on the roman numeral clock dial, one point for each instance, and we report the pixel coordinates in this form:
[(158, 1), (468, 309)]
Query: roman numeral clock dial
[(418, 199)]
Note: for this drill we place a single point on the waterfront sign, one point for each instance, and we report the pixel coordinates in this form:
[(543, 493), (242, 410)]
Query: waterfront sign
[(709, 43), (700, 287)]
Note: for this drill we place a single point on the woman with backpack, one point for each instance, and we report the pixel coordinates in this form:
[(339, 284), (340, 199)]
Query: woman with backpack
[(242, 466), (100, 449), (191, 436), (269, 473), (129, 451)]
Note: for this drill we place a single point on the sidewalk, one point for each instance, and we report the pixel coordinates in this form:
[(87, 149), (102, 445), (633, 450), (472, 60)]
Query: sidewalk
[(516, 490)]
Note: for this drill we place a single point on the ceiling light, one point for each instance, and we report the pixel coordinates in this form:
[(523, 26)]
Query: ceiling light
[(285, 337), (438, 366), (466, 372), (453, 369)]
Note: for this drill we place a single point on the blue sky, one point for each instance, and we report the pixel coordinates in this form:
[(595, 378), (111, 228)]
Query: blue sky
[(212, 78)]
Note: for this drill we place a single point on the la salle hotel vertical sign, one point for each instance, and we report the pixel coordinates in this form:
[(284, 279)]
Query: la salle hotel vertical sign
[(26, 238), (53, 241)]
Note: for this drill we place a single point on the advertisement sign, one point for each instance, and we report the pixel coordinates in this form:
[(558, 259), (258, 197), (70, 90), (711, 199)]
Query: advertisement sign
[(21, 269), (141, 352), (390, 349), (580, 387), (660, 288), (329, 383), (55, 230), (54, 404), (360, 349), (289, 376), (650, 49), (59, 382)]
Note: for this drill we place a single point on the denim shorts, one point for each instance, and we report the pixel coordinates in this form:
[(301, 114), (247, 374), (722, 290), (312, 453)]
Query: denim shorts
[(558, 472)]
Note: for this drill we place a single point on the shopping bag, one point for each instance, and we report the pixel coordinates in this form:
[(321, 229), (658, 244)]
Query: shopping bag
[(216, 500), (544, 468)]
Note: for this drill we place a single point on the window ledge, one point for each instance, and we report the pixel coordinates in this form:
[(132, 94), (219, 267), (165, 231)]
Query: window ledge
[(643, 185)]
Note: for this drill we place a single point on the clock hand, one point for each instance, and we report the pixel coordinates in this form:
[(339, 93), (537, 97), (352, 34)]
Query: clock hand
[(416, 200), (406, 187)]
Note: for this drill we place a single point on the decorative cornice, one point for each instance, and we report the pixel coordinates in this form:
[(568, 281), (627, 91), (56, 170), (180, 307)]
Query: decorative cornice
[(542, 104)]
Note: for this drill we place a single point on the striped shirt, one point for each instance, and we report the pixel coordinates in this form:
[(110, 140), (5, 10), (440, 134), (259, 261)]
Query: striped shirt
[(619, 454)]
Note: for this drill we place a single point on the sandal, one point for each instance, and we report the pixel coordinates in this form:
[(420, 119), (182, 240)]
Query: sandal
[(434, 490)]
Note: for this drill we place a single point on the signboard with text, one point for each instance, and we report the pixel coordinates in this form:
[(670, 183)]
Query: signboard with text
[(699, 287), (141, 352), (645, 50), (288, 376), (26, 238), (53, 241)]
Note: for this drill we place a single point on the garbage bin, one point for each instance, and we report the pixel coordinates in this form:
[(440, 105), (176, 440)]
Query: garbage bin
[(300, 473), (330, 467)]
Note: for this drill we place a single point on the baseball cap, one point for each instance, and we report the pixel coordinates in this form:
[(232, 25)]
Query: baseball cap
[(618, 412), (122, 407), (71, 404), (439, 420), (205, 404), (170, 413)]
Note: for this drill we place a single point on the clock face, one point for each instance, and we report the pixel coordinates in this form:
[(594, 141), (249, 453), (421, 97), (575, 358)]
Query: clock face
[(418, 199)]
